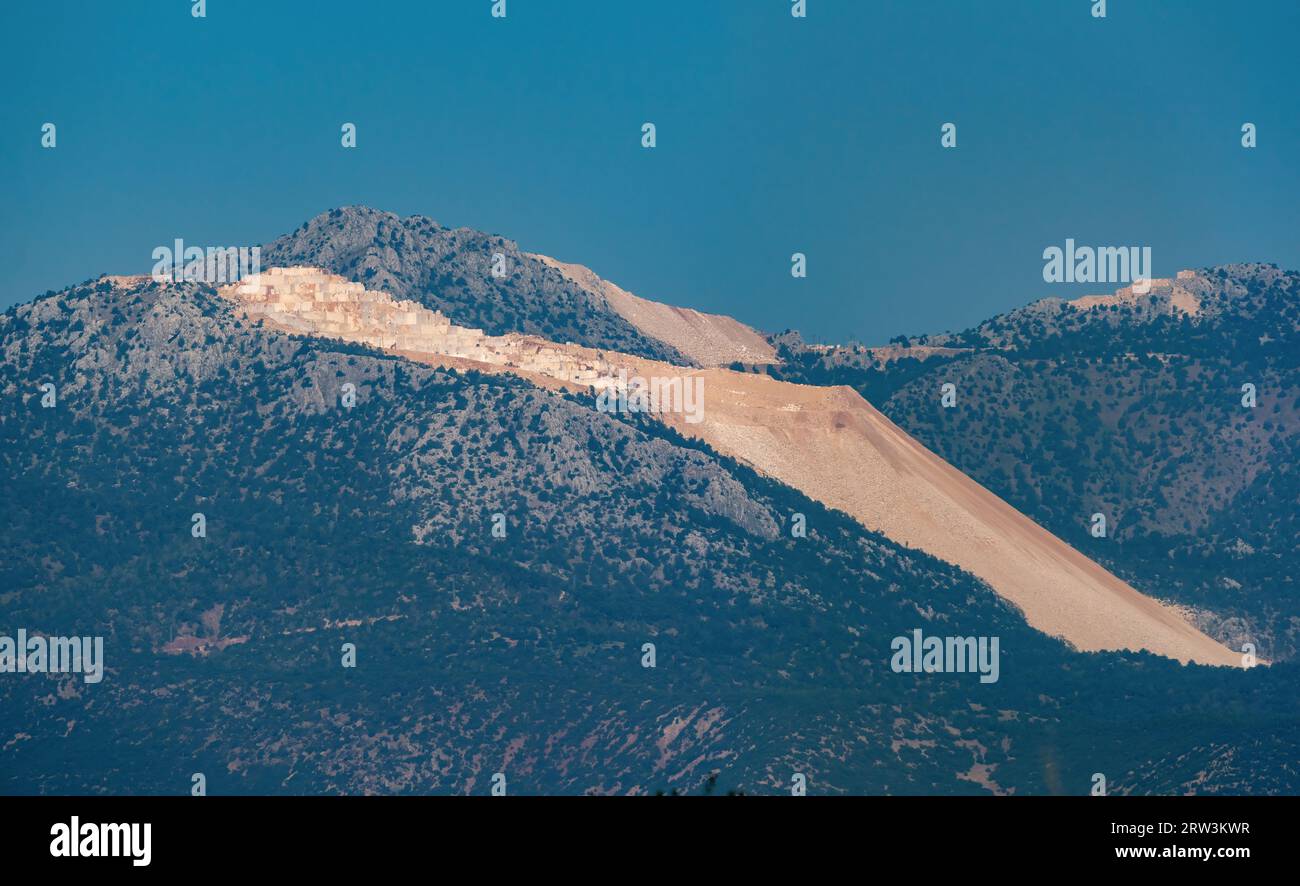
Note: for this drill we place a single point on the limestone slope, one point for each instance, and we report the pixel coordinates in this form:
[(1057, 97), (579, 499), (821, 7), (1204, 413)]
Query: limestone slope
[(829, 443), (836, 447), (708, 339)]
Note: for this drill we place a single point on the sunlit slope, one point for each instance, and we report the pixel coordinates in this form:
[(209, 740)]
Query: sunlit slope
[(836, 447)]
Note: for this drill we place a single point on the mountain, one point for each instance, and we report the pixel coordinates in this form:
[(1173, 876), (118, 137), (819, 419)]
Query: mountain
[(523, 654), (1131, 406), (451, 270), (838, 448)]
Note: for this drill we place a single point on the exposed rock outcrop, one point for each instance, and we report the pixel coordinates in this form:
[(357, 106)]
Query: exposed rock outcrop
[(310, 301), (1165, 294)]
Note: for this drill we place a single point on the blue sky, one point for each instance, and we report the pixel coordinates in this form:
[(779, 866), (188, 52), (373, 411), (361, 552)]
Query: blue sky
[(775, 135)]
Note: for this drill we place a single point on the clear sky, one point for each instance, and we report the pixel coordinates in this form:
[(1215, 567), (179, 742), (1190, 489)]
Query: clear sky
[(775, 135)]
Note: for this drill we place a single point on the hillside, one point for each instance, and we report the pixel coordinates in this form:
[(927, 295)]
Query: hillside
[(1128, 406)]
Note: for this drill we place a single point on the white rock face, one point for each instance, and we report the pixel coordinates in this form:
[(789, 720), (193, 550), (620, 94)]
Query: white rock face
[(1169, 296), (310, 301)]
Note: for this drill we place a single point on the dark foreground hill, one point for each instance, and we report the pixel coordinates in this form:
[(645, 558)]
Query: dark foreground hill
[(523, 655)]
